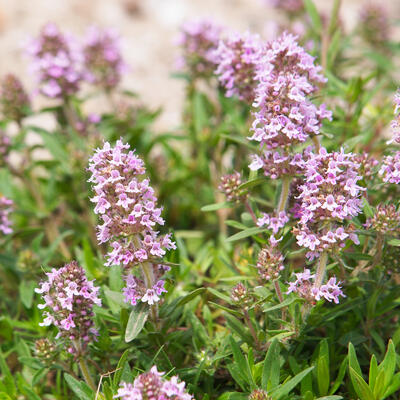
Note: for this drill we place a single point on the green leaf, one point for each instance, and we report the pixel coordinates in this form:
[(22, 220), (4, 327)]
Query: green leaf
[(271, 366), (284, 389), (373, 372), (30, 393), (360, 386), (389, 363), (323, 376), (26, 292), (353, 362), (241, 362), (120, 367), (252, 183), (340, 376), (394, 386), (237, 326), (368, 211), (78, 387), (379, 385), (246, 233), (216, 206), (136, 321), (185, 299), (284, 303), (314, 15)]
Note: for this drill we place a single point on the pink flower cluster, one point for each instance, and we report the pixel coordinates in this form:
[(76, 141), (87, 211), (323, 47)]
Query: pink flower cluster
[(102, 58), (198, 40), (289, 6), (6, 207), (329, 195), (237, 58), (305, 288), (390, 168), (128, 208), (395, 124), (136, 289), (273, 223), (286, 77), (56, 60), (69, 298), (151, 385)]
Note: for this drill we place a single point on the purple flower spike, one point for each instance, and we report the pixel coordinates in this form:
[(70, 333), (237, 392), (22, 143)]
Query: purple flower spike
[(127, 205), (57, 62)]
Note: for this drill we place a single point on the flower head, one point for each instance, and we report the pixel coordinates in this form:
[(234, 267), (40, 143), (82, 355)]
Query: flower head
[(102, 58), (291, 7), (237, 58), (286, 77), (198, 41), (374, 23), (329, 196), (127, 205), (14, 101), (69, 299), (56, 61), (152, 385)]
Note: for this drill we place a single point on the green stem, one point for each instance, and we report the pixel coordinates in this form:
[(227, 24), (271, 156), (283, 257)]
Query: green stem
[(284, 193), (317, 143), (321, 269), (251, 328), (84, 367)]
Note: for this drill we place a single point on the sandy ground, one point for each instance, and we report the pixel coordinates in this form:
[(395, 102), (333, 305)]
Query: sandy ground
[(148, 28)]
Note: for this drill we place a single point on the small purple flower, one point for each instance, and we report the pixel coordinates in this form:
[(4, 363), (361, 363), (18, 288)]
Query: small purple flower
[(6, 208), (273, 223), (69, 299), (390, 168), (152, 385)]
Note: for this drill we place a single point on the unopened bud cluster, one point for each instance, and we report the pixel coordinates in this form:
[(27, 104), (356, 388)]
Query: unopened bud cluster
[(14, 100), (45, 350), (385, 220), (230, 186), (240, 295), (259, 394), (270, 263)]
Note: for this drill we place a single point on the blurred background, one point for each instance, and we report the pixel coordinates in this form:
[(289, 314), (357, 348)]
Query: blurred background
[(148, 29)]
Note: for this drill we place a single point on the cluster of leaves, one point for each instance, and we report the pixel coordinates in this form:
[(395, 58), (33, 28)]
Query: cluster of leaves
[(263, 349)]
